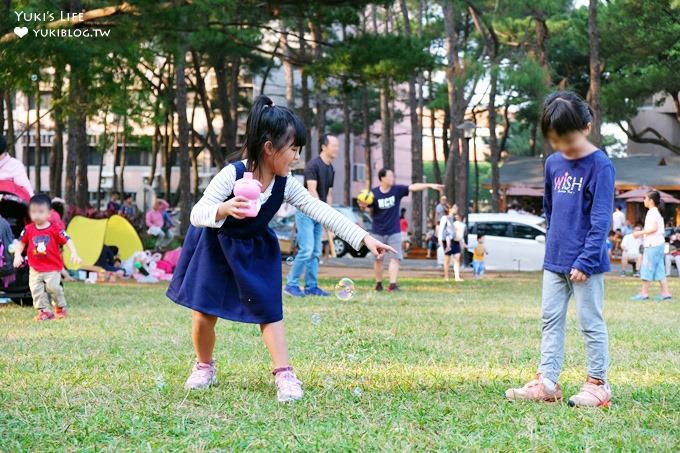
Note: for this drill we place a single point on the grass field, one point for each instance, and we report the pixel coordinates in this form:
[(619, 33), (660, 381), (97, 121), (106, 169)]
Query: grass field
[(421, 370)]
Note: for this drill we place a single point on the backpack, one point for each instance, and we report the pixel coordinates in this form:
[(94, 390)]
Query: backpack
[(6, 258)]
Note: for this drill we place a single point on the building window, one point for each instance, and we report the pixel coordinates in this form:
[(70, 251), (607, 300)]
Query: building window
[(358, 172), (44, 155)]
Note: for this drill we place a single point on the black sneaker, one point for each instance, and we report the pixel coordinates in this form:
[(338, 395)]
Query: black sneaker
[(393, 287), (378, 286)]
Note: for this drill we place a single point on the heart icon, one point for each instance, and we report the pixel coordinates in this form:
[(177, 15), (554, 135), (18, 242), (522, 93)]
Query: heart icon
[(21, 31)]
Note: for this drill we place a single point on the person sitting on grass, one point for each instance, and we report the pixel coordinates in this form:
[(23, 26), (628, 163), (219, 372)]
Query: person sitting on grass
[(579, 195), (630, 247), (42, 240)]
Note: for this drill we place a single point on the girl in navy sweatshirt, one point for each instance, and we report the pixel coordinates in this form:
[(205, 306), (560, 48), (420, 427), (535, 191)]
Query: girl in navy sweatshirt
[(578, 203)]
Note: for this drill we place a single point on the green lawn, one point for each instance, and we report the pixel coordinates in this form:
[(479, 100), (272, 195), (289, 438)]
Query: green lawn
[(431, 364)]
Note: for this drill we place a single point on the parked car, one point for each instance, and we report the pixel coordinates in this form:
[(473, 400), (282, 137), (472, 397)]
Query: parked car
[(359, 217), (513, 241), (284, 227)]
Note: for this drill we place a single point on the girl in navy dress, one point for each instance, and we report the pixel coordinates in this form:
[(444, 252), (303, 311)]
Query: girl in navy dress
[(230, 265)]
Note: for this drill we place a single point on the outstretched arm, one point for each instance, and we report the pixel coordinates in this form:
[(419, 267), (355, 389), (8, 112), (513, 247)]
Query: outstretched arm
[(420, 186)]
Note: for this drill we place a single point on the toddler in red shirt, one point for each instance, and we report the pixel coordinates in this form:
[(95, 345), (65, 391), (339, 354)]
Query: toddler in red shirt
[(42, 240)]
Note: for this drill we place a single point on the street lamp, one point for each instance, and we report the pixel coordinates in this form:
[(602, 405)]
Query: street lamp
[(468, 129)]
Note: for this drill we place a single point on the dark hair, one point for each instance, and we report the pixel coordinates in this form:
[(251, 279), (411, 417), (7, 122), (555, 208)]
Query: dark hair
[(41, 199), (481, 236), (58, 206), (611, 233), (564, 112), (115, 192), (3, 144), (402, 212), (269, 122), (382, 173), (638, 224), (323, 141), (655, 196)]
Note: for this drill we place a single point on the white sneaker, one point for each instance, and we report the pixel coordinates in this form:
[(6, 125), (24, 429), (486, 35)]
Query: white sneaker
[(288, 386), (202, 376)]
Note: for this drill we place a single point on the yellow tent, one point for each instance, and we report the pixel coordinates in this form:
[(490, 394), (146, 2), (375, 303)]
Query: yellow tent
[(90, 235)]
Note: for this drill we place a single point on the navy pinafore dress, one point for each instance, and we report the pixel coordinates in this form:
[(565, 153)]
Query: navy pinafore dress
[(233, 272)]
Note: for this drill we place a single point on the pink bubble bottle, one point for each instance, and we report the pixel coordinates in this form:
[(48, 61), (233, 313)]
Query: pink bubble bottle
[(249, 188)]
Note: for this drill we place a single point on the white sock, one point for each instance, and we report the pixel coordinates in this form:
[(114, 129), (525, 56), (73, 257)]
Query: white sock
[(549, 385)]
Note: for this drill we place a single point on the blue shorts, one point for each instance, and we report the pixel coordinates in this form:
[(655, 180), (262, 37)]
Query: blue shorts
[(653, 265)]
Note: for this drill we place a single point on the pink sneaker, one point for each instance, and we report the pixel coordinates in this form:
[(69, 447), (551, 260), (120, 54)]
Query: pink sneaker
[(202, 376), (594, 393), (535, 391), (44, 315), (288, 386)]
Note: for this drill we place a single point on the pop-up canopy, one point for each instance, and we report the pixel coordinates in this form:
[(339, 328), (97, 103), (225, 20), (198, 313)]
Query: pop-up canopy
[(90, 236)]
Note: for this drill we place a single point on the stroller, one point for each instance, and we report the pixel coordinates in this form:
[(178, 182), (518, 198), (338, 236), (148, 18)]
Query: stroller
[(14, 210)]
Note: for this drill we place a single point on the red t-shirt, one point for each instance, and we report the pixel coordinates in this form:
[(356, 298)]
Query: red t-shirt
[(403, 225), (43, 247)]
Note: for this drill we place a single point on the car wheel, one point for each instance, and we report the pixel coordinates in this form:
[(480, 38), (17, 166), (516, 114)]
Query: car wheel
[(341, 247), (23, 301)]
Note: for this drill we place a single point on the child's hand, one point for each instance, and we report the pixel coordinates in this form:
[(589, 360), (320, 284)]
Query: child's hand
[(376, 247), (75, 259), (18, 260), (577, 276), (233, 208)]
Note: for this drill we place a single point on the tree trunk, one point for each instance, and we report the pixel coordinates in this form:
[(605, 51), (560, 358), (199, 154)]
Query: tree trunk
[(76, 161), (416, 141), (433, 116), (194, 155), (319, 97), (183, 134), (348, 150), (455, 179), (226, 137), (542, 54), (304, 90), (288, 70), (202, 94), (155, 145), (234, 101), (385, 137), (56, 158), (367, 136), (101, 165), (10, 122), (123, 155), (167, 154), (595, 74), (115, 157), (38, 142)]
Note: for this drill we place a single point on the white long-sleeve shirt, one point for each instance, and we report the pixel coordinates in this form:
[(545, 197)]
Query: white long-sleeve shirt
[(204, 213)]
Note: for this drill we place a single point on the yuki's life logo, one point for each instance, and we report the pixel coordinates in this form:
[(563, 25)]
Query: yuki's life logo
[(568, 184)]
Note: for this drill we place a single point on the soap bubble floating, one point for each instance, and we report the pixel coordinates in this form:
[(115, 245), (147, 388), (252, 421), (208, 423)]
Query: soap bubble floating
[(160, 382), (357, 391), (290, 260), (344, 290), (316, 319)]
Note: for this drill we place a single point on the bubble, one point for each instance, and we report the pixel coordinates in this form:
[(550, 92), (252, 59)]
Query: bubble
[(290, 260), (316, 319), (160, 382), (357, 391), (328, 383), (344, 290), (351, 357)]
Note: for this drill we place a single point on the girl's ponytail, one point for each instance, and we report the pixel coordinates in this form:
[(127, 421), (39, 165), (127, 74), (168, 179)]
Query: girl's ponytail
[(269, 122)]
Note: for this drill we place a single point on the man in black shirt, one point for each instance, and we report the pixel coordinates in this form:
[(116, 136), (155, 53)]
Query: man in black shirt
[(319, 176)]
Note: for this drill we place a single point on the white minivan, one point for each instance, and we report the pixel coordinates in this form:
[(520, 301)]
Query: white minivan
[(514, 242)]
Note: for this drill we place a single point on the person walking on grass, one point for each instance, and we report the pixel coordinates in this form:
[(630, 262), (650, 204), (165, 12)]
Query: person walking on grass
[(653, 258), (319, 175), (578, 200), (386, 204), (42, 240), (452, 241), (230, 265)]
